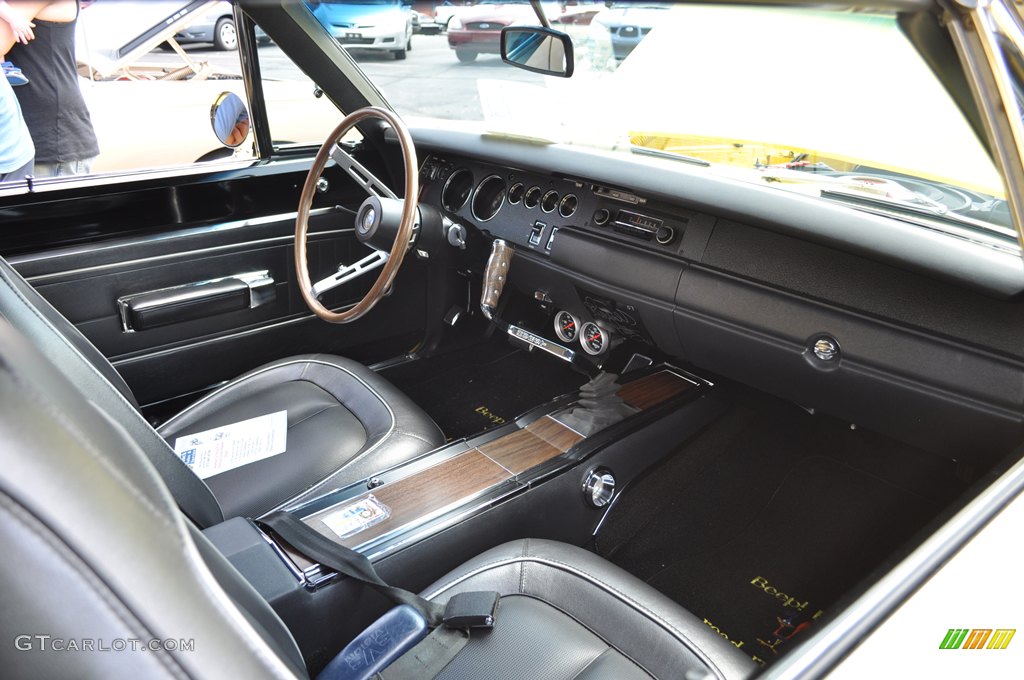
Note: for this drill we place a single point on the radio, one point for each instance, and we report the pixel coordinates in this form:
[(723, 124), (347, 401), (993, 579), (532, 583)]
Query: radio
[(640, 226)]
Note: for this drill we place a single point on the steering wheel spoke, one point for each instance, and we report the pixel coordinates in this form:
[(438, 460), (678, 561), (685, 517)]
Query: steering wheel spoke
[(360, 174), (349, 272)]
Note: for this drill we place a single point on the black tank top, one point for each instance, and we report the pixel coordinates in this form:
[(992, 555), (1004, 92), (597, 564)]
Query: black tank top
[(52, 101)]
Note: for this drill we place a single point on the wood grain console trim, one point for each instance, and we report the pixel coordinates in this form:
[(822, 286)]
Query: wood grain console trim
[(430, 491), (651, 390)]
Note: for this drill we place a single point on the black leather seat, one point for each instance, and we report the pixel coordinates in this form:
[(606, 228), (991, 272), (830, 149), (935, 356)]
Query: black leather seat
[(568, 614), (344, 421), (85, 513)]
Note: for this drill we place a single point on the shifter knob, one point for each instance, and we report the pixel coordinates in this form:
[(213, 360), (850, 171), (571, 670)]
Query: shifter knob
[(495, 276)]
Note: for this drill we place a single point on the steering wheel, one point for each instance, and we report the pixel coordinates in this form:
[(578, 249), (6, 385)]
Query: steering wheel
[(384, 222)]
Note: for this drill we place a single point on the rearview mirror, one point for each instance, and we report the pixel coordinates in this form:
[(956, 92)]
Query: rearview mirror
[(541, 50)]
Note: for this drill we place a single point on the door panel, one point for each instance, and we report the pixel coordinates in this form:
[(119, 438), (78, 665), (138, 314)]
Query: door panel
[(190, 239)]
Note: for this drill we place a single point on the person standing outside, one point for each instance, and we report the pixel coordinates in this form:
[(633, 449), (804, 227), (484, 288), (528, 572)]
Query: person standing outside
[(16, 149), (52, 102)]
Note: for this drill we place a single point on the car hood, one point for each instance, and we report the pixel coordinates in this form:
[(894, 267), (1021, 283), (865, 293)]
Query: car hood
[(110, 36)]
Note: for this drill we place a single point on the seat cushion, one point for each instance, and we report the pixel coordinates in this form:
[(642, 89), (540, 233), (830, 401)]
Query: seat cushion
[(567, 613), (345, 423)]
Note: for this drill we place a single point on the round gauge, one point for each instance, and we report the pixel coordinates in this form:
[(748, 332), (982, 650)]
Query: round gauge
[(532, 198), (550, 201), (567, 326), (515, 194), (456, 190), (490, 194), (593, 338), (568, 205)]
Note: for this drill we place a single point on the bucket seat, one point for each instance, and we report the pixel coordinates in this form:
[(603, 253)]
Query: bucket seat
[(344, 421)]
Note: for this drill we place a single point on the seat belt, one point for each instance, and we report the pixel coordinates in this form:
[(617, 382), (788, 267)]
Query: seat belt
[(319, 548), (451, 623)]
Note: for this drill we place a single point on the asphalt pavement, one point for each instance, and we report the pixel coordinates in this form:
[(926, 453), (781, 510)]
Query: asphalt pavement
[(429, 82)]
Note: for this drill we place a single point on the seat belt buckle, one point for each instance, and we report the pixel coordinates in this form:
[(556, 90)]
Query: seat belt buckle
[(477, 609)]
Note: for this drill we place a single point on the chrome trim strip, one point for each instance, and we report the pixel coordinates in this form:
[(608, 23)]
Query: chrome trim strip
[(180, 233), (299, 575), (171, 256), (534, 340)]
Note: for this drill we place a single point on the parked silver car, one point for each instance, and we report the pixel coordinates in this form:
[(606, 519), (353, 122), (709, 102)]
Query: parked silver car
[(216, 26)]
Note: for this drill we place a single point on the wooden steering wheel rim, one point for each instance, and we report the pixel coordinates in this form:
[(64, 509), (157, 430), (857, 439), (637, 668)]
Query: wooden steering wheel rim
[(405, 230)]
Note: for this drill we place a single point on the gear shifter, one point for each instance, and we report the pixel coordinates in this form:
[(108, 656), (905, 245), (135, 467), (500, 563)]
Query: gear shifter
[(494, 277), (598, 407)]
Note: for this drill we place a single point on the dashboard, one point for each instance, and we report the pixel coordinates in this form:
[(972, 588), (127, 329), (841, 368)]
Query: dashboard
[(856, 337)]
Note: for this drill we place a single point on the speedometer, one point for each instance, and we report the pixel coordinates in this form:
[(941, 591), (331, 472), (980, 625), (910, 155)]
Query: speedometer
[(567, 326), (593, 338)]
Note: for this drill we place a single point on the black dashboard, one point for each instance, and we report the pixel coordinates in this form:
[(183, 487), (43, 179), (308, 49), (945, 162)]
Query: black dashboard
[(934, 364)]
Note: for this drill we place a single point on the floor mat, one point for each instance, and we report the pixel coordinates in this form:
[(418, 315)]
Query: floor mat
[(484, 386), (770, 517)]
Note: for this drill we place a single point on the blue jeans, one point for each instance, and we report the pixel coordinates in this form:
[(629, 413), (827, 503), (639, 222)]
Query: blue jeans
[(63, 169)]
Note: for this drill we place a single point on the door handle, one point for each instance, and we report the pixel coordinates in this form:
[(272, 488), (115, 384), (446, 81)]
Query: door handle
[(142, 311)]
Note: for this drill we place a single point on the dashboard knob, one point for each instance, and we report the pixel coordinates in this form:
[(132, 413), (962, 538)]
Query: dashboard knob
[(601, 217), (665, 235)]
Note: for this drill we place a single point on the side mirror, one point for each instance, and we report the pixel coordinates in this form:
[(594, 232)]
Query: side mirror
[(230, 119), (541, 50)]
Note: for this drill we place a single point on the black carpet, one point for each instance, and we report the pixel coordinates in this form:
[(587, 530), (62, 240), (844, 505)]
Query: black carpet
[(769, 516), (486, 385)]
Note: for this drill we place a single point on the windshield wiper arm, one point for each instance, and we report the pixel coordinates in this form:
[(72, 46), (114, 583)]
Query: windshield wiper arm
[(658, 153)]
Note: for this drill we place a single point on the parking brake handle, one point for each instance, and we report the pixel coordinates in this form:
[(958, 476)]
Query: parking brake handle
[(494, 277)]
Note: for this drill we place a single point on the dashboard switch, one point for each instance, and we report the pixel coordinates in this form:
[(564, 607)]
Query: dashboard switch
[(537, 233)]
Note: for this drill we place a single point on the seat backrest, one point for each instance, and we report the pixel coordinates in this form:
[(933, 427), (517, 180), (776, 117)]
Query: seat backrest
[(97, 557), (84, 365)]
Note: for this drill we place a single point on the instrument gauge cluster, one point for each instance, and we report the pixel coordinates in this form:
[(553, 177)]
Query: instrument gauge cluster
[(594, 339)]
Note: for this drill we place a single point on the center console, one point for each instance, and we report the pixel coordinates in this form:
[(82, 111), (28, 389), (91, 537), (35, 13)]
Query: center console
[(539, 476)]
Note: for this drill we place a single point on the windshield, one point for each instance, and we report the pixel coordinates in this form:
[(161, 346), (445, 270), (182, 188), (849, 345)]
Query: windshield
[(826, 103)]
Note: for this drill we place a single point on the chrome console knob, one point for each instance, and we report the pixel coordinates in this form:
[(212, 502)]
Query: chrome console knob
[(599, 487)]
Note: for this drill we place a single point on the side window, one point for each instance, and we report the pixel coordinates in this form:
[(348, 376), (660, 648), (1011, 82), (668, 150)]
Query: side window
[(149, 85), (296, 115), (143, 78)]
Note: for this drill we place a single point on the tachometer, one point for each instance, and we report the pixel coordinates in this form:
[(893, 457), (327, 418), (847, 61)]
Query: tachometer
[(567, 326), (490, 195), (593, 338)]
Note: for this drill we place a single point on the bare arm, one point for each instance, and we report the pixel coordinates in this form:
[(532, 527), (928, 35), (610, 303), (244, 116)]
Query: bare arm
[(26, 11), (20, 26)]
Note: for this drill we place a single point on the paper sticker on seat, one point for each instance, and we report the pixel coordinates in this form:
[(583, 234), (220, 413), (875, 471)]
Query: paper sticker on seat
[(225, 448), (357, 516)]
